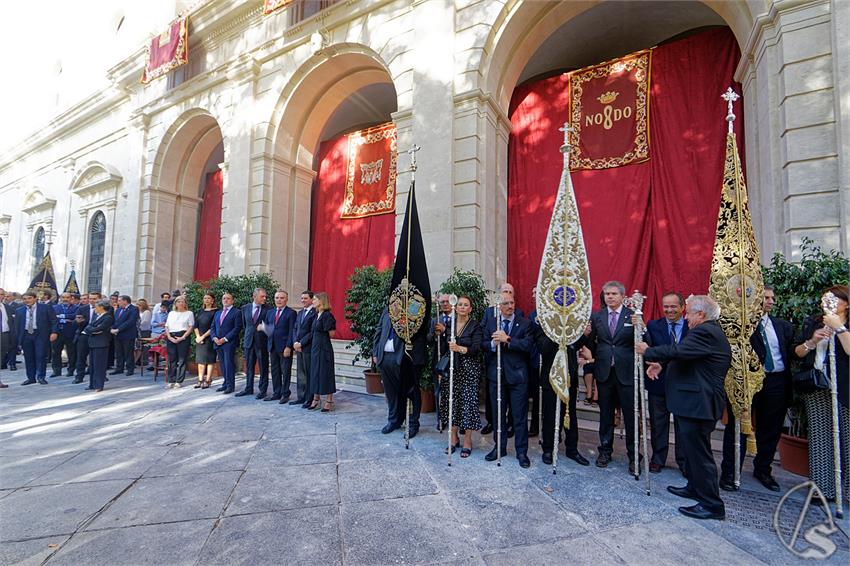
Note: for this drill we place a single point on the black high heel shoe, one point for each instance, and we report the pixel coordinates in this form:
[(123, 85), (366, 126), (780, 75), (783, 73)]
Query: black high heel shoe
[(455, 446)]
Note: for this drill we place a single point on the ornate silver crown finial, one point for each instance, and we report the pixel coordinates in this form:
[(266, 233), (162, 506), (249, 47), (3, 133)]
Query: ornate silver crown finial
[(730, 96), (412, 151), (567, 129)]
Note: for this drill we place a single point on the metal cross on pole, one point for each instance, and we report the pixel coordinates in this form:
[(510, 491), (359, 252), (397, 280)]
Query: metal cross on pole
[(730, 96)]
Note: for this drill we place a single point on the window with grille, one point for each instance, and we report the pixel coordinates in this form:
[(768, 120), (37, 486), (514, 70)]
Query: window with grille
[(97, 247)]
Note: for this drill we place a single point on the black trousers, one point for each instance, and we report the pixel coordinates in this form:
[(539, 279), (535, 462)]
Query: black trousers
[(82, 355), (97, 371), (66, 343), (768, 409), (178, 356), (659, 422), (534, 393), (302, 376), (281, 375), (609, 391), (257, 351), (400, 384), (124, 361), (515, 397), (548, 432), (702, 471), (110, 358)]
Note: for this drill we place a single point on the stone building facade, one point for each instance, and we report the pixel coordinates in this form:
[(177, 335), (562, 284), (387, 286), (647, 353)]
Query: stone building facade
[(117, 177)]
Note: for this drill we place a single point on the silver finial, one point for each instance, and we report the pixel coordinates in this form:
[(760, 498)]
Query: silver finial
[(829, 303), (412, 151), (730, 96), (567, 129), (453, 299)]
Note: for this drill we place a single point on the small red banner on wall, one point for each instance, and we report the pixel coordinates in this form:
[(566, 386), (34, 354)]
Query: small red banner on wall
[(370, 178), (609, 113), (270, 6), (168, 50)]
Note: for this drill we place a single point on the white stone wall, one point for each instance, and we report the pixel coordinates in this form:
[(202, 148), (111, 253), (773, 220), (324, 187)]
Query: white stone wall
[(265, 91)]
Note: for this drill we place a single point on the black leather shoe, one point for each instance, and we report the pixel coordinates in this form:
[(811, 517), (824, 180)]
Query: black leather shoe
[(491, 455), (243, 393), (28, 382), (699, 512), (129, 373), (286, 397), (80, 380), (220, 389), (42, 381), (632, 465), (578, 459), (260, 395), (547, 458), (414, 430), (533, 432), (728, 484), (655, 468), (510, 433), (524, 462), (228, 391), (272, 398), (13, 367), (681, 491), (115, 372), (296, 402), (388, 428), (603, 460), (488, 428), (54, 374), (767, 481)]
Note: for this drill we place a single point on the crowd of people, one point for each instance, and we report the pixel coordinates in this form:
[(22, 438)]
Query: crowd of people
[(686, 351)]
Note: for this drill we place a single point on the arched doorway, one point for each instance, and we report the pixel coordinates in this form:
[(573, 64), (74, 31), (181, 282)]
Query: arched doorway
[(326, 100), (186, 179), (632, 216)]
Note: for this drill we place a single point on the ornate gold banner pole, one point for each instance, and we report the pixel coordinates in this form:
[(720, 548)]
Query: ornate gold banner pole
[(737, 286), (564, 298)]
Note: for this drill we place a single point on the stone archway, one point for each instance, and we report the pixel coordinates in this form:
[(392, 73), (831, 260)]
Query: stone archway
[(190, 148)]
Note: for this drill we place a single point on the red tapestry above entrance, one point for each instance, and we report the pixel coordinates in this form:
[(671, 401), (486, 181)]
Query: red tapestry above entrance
[(168, 50), (609, 113), (371, 173)]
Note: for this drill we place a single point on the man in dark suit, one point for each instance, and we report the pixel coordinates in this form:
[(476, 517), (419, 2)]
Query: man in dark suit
[(280, 326), (227, 323), (611, 340), (399, 373), (301, 342), (670, 329), (547, 350), (65, 313), (125, 329), (254, 343), (514, 338), (696, 371), (81, 344), (8, 342), (773, 343), (37, 327)]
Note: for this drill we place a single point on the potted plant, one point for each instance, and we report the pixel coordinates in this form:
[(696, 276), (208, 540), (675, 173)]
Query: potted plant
[(798, 288), (364, 303)]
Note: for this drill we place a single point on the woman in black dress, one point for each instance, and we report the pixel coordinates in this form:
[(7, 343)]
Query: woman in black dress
[(204, 351), (322, 374), (99, 338), (467, 374)]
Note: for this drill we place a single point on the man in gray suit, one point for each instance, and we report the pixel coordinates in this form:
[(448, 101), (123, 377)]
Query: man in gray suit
[(612, 341), (399, 373)]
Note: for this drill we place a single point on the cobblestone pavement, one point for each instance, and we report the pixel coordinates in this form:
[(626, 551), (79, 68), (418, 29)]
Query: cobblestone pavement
[(143, 475)]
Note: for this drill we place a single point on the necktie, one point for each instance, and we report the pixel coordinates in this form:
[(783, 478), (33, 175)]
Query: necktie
[(673, 333), (768, 359), (277, 317), (30, 319), (506, 324), (612, 322), (256, 314), (221, 318), (120, 312)]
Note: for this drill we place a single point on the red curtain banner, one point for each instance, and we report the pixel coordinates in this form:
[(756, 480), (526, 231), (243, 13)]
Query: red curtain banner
[(339, 245), (609, 113), (270, 6), (168, 50), (650, 225), (209, 233), (371, 173)]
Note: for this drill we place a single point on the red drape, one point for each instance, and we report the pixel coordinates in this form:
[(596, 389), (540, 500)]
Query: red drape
[(650, 225), (209, 233), (339, 245)]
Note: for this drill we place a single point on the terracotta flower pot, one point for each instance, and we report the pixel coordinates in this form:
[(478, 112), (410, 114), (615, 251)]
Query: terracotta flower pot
[(794, 454), (374, 385), (428, 401)]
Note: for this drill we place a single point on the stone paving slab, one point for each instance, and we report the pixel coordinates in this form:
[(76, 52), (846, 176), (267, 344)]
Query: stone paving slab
[(168, 499), (168, 543), (208, 478)]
